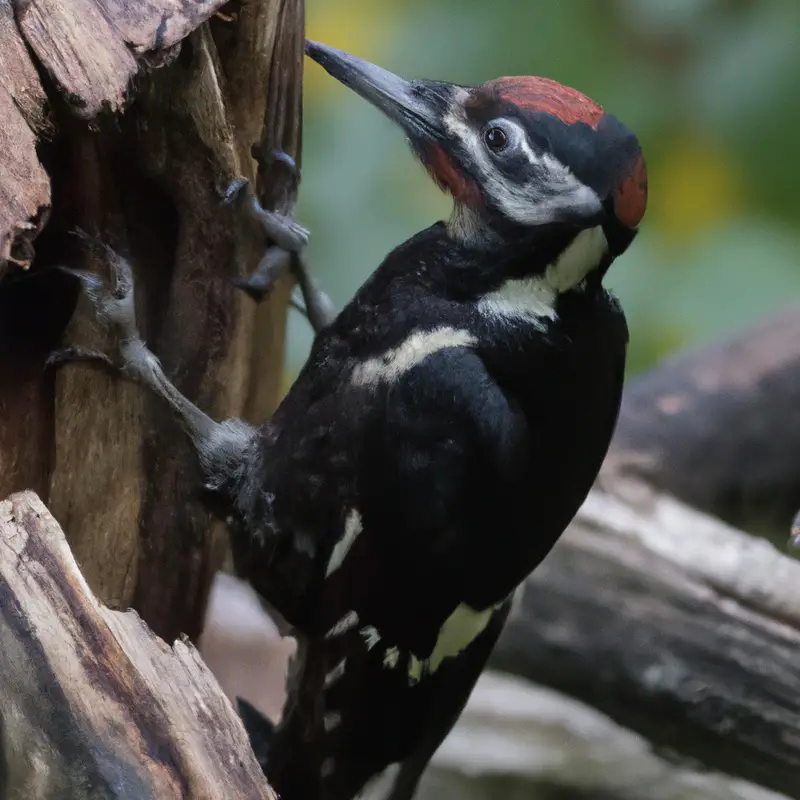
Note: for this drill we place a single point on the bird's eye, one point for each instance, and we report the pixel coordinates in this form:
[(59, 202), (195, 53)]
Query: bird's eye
[(495, 139)]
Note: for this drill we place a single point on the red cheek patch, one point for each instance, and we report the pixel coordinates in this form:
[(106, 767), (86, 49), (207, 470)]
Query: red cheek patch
[(630, 197), (446, 175)]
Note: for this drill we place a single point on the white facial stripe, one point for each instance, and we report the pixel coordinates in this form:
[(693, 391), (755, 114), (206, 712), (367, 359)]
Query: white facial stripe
[(352, 527), (530, 299), (553, 195), (417, 347), (584, 254), (534, 299)]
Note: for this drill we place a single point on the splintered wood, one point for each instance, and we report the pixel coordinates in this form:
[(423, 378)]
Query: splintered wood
[(24, 185), (89, 49), (93, 703)]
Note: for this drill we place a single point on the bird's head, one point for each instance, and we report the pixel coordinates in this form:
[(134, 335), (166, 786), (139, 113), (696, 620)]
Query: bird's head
[(520, 155)]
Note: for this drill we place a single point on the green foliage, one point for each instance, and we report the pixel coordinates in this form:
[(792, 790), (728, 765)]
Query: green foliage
[(710, 86)]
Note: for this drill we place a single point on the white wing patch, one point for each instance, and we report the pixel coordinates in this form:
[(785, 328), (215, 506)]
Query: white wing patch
[(335, 674), (417, 347), (352, 527), (331, 720), (534, 298), (371, 636), (391, 657), (459, 630)]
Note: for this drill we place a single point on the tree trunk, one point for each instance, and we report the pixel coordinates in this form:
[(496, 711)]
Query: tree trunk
[(145, 113)]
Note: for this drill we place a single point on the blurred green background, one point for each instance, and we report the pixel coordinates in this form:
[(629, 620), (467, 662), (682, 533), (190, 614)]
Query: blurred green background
[(711, 87)]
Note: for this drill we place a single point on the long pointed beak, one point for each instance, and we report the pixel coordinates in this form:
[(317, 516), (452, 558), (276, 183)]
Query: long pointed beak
[(414, 105)]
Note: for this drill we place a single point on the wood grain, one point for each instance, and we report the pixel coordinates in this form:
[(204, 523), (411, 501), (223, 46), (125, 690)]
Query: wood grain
[(676, 626), (94, 705)]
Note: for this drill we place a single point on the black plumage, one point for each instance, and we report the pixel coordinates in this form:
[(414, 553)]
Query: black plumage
[(447, 426), (464, 469)]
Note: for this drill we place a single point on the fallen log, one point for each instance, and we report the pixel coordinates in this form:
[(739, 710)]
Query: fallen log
[(676, 626), (94, 705), (518, 740)]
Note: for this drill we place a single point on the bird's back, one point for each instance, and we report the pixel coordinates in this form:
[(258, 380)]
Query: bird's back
[(430, 455)]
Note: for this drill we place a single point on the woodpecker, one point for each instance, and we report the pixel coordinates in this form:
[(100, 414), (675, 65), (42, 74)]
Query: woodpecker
[(445, 429)]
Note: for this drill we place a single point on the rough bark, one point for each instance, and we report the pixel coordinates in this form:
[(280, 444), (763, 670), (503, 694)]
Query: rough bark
[(675, 625), (94, 705), (140, 130)]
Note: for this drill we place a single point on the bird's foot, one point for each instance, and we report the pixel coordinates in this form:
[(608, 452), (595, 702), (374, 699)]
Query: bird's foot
[(113, 302), (259, 283), (278, 228), (287, 238)]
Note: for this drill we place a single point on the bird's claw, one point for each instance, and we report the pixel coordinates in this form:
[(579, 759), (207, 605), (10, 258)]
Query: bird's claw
[(113, 303), (113, 299), (68, 355), (288, 240), (267, 156), (279, 229), (260, 282), (232, 192)]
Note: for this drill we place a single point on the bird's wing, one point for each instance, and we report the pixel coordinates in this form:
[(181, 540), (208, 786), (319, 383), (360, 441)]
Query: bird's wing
[(442, 465)]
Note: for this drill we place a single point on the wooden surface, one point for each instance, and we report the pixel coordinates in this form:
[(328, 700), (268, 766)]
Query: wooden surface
[(676, 626), (93, 704), (517, 741), (144, 131), (24, 188)]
